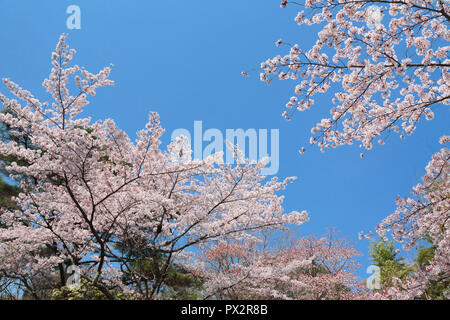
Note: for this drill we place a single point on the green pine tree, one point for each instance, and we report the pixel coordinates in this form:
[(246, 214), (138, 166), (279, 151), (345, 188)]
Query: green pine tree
[(391, 266)]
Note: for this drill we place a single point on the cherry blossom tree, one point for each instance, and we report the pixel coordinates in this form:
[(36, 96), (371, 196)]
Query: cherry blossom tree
[(385, 62), (425, 216), (310, 268), (386, 65), (241, 270), (88, 193)]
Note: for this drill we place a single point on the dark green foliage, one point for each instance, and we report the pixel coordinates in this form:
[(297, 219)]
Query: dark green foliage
[(6, 193), (156, 272), (391, 266)]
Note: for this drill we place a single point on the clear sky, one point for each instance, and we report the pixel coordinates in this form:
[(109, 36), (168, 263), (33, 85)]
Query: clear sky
[(183, 59)]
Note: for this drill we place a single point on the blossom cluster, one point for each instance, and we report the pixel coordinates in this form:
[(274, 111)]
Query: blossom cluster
[(385, 75), (88, 191)]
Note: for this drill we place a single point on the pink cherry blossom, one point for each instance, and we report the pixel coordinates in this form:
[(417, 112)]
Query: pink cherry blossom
[(86, 187), (377, 84)]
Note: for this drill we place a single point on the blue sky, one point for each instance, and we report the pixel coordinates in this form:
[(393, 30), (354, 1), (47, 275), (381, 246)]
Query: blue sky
[(183, 59)]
